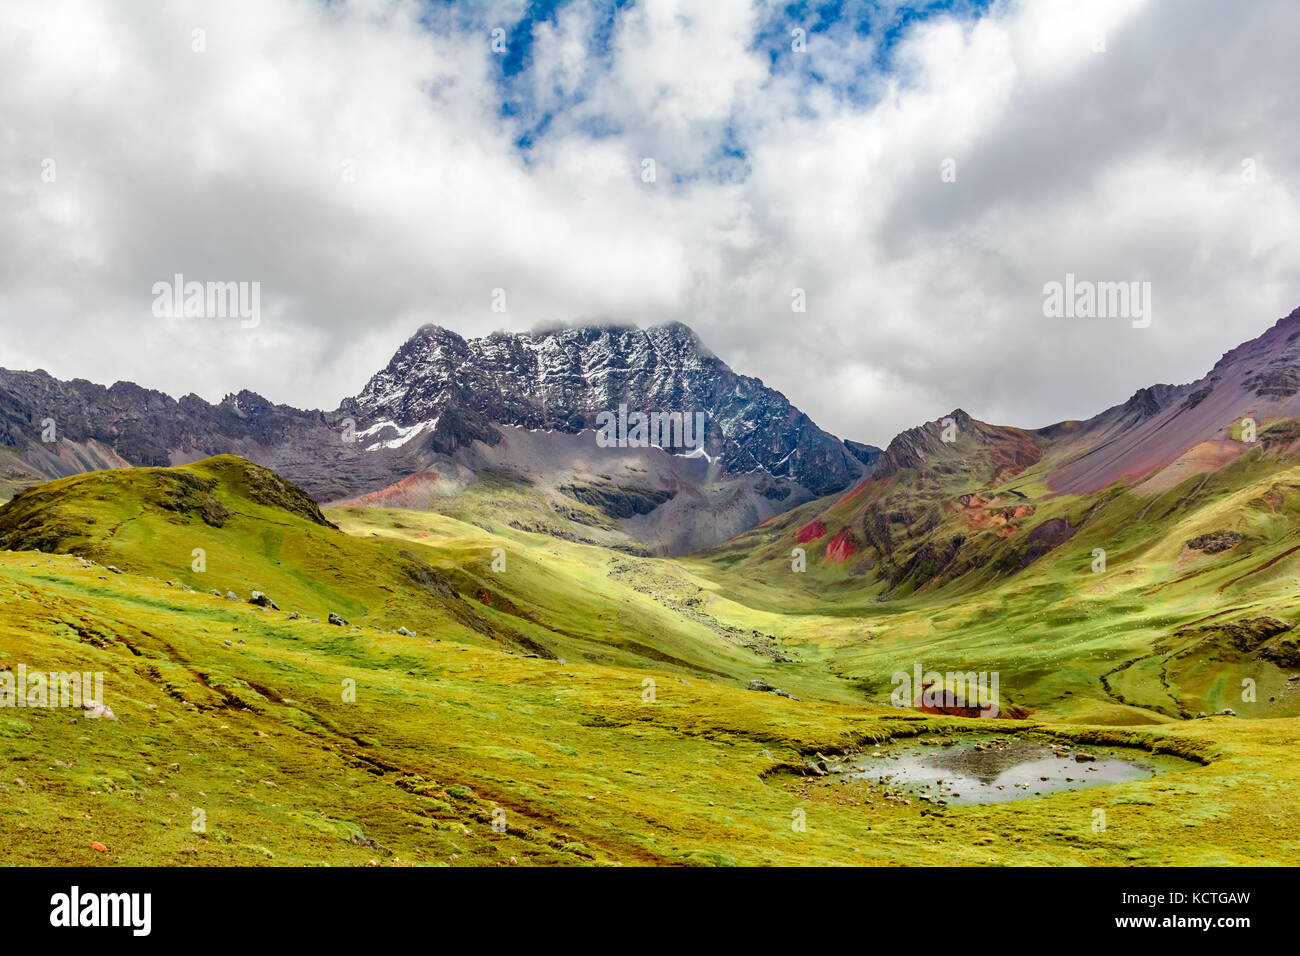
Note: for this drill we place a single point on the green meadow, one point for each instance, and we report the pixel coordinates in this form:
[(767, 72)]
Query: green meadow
[(497, 696)]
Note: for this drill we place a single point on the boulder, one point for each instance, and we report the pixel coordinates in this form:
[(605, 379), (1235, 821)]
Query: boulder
[(261, 600)]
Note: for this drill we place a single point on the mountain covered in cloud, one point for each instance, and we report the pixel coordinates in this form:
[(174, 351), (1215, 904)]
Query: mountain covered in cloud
[(448, 391), (449, 419), (446, 409)]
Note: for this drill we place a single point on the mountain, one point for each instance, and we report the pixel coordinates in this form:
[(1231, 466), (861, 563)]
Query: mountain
[(480, 666), (957, 503), (1166, 432), (448, 412), (449, 391), (1141, 562)]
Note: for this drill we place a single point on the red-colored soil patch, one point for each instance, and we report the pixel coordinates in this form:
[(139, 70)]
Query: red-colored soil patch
[(414, 491), (842, 547), (853, 493), (811, 531), (960, 709)]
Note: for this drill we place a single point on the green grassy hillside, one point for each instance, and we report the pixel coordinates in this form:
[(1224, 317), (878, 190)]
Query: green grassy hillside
[(1006, 577), (305, 742)]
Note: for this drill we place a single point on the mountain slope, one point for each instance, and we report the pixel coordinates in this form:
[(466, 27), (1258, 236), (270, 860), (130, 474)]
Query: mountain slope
[(1185, 428), (453, 389), (227, 525), (447, 412)]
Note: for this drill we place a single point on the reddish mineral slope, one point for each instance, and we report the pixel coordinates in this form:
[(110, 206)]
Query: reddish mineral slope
[(901, 515), (1158, 425)]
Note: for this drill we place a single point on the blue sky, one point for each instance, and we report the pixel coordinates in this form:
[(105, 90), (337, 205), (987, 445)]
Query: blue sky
[(884, 25)]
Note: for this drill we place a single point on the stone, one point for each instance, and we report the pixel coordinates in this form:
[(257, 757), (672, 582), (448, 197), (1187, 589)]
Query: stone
[(261, 600)]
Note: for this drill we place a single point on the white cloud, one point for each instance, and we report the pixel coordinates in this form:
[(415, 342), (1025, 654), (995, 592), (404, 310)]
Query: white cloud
[(356, 162)]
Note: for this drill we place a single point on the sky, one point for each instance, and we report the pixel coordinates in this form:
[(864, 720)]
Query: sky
[(911, 174)]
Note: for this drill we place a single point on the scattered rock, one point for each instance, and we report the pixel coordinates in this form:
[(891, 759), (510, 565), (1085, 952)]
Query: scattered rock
[(232, 596), (1082, 757), (94, 708), (261, 600), (1215, 541), (114, 570), (337, 621), (358, 840)]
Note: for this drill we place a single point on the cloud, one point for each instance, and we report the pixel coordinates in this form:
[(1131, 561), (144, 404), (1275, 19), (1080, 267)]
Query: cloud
[(377, 165)]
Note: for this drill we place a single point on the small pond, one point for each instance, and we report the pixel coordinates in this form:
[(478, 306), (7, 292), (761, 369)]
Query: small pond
[(954, 771)]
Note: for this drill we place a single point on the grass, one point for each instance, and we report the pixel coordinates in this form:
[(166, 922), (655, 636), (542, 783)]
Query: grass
[(312, 744)]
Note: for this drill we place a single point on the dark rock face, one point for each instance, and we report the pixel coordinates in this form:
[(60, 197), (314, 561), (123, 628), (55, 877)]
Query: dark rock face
[(1276, 382), (1247, 634), (145, 427), (1215, 541), (456, 389), (1267, 638), (618, 502)]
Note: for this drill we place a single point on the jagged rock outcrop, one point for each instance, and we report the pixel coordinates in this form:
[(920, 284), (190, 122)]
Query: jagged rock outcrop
[(446, 409), (446, 391)]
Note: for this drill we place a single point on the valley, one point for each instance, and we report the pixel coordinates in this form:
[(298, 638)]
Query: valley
[(522, 648), (596, 702)]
